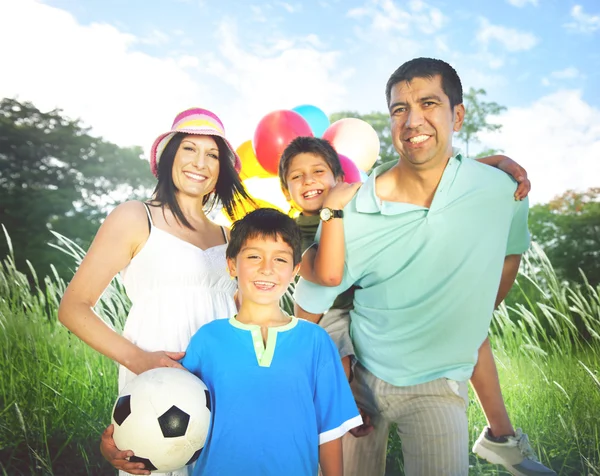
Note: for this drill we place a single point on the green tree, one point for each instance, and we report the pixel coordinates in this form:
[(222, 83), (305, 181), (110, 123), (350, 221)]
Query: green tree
[(55, 176), (476, 116), (381, 123), (568, 229)]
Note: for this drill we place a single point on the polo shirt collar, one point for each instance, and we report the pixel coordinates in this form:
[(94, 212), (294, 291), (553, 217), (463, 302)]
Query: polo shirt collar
[(367, 200)]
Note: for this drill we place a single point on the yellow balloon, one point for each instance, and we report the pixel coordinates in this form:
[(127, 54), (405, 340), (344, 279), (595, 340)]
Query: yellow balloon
[(250, 165), (265, 192)]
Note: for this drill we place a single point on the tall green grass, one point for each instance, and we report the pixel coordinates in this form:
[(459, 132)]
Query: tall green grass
[(56, 393)]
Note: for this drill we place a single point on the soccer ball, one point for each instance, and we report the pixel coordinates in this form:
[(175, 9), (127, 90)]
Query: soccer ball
[(163, 416)]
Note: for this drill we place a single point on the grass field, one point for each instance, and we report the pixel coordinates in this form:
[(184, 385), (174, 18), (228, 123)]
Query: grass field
[(56, 393)]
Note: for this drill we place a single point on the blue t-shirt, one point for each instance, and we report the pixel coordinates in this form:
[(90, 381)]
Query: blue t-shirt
[(273, 405)]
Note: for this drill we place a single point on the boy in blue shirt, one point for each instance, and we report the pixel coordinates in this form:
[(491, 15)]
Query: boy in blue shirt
[(279, 396)]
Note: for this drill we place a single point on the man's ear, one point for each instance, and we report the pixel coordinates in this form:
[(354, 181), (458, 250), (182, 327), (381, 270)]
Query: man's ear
[(231, 268), (459, 116)]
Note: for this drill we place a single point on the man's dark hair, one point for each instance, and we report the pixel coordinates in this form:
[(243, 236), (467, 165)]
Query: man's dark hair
[(265, 223), (311, 145), (428, 68), (229, 189)]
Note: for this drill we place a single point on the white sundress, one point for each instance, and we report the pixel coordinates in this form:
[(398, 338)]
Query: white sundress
[(175, 288)]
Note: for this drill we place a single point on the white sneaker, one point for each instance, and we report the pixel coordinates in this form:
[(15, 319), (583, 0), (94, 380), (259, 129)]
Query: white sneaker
[(515, 454)]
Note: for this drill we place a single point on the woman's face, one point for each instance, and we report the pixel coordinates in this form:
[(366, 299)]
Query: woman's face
[(196, 165)]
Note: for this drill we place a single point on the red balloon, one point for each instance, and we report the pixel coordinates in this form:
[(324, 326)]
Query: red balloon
[(351, 172), (273, 134)]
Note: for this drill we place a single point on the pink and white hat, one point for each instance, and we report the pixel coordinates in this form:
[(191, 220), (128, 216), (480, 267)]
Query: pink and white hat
[(192, 121)]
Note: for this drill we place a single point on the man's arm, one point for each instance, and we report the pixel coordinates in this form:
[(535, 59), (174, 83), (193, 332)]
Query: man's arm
[(330, 458), (509, 274)]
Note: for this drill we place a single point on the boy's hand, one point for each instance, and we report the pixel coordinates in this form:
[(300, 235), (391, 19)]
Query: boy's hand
[(517, 172), (119, 459), (339, 195)]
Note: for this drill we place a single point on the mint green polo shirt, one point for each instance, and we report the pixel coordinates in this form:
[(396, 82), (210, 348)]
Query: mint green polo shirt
[(427, 278)]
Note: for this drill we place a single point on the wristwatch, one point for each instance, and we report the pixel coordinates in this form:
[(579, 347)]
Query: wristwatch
[(327, 214)]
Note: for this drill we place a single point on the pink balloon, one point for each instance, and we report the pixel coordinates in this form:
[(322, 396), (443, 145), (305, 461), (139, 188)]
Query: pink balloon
[(351, 172), (354, 138)]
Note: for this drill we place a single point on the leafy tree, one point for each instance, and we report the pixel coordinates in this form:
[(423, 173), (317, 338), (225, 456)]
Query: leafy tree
[(568, 229), (381, 123), (55, 175), (477, 112)]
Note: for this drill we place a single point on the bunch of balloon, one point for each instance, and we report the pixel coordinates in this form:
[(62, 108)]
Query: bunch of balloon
[(316, 118), (355, 139), (273, 134)]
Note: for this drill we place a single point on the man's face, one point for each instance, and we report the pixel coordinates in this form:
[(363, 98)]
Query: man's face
[(423, 122)]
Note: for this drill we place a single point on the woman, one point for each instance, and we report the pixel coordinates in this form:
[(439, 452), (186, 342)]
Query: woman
[(170, 255)]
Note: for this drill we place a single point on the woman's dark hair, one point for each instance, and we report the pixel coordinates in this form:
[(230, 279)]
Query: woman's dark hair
[(265, 223), (228, 190)]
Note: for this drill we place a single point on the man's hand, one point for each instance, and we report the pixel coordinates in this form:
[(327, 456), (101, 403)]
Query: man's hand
[(365, 428), (340, 194), (119, 459)]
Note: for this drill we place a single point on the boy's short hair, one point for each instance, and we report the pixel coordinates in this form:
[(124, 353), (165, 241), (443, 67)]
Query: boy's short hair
[(311, 145), (265, 223)]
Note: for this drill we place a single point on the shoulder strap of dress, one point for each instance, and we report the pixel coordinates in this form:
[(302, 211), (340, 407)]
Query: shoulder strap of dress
[(224, 235), (150, 223)]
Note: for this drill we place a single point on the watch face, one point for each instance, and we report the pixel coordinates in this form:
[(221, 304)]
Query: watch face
[(325, 214)]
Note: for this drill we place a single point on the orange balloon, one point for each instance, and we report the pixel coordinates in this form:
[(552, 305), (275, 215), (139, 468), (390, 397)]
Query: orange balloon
[(250, 165)]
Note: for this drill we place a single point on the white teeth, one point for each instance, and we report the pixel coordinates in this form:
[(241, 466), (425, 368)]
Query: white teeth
[(264, 284), (195, 176), (418, 139), (312, 193)]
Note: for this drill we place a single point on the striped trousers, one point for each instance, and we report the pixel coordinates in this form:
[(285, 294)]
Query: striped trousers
[(432, 424)]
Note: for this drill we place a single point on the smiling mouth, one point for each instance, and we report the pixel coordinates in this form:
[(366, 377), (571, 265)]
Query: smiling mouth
[(311, 194), (418, 139), (264, 285), (196, 177)]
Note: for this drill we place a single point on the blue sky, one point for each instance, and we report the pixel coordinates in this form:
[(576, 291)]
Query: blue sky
[(127, 67)]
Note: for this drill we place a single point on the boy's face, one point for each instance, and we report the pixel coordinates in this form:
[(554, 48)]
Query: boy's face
[(264, 268), (309, 178)]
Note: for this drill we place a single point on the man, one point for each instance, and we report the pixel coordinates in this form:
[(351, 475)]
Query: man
[(433, 242)]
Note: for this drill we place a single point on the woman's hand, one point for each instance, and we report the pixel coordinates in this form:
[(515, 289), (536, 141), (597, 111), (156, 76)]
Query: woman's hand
[(155, 360), (119, 459)]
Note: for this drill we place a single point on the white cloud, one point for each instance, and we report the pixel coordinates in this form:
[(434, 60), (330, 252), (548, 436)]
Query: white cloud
[(568, 73), (289, 7), (557, 139), (583, 22), (95, 73), (264, 80), (510, 38), (387, 17), (522, 3), (92, 72)]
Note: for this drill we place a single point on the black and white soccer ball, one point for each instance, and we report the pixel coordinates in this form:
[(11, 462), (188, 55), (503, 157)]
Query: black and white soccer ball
[(163, 416)]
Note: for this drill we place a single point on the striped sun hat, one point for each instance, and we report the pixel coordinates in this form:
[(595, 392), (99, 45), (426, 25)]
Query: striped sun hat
[(192, 121)]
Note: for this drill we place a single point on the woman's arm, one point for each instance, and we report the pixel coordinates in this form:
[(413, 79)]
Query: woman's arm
[(120, 237)]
